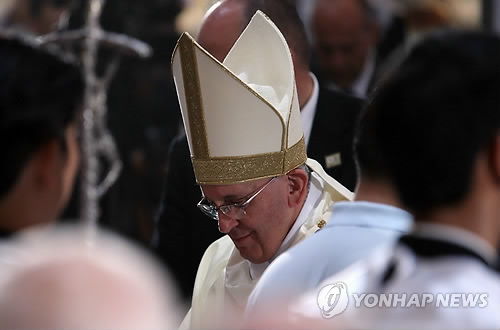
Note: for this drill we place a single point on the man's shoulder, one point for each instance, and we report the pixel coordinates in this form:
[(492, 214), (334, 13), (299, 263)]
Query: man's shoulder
[(452, 274)]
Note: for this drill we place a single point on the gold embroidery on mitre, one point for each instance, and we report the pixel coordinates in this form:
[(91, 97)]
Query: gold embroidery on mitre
[(237, 169), (232, 170), (295, 156), (290, 111), (189, 64), (321, 224)]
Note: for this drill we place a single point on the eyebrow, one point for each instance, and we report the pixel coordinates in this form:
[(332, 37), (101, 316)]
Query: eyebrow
[(229, 199), (234, 198)]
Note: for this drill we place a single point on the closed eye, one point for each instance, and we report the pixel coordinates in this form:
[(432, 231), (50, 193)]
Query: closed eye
[(235, 202)]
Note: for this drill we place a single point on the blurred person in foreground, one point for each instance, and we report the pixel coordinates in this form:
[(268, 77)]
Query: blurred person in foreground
[(438, 122), (40, 99), (247, 145), (328, 120), (65, 278), (56, 280)]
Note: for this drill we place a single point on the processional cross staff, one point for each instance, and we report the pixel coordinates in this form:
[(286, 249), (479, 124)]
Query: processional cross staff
[(97, 141)]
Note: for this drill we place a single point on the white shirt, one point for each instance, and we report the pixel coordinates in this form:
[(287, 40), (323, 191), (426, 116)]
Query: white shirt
[(414, 276), (308, 111)]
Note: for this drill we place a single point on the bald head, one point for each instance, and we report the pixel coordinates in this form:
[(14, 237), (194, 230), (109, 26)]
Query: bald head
[(76, 294), (221, 27), (226, 20), (61, 282), (345, 33)]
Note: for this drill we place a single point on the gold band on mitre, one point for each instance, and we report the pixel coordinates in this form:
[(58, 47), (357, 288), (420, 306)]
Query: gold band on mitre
[(246, 168)]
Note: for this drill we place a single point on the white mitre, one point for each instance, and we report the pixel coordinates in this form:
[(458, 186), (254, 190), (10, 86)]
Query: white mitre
[(242, 116)]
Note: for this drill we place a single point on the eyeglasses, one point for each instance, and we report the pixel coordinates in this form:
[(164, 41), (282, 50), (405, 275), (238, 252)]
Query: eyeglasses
[(234, 211)]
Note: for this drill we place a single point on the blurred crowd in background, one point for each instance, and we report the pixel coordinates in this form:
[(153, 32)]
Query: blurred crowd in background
[(144, 115)]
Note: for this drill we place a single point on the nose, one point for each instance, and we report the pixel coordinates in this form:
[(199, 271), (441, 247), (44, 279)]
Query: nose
[(226, 223)]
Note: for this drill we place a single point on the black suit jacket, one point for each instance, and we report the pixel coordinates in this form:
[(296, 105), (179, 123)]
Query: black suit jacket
[(183, 232), (332, 135)]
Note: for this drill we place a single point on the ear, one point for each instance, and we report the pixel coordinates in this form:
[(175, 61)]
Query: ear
[(297, 184), (48, 165), (297, 63)]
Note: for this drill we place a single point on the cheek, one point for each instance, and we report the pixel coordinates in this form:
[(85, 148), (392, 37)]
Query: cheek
[(271, 226), (71, 165)]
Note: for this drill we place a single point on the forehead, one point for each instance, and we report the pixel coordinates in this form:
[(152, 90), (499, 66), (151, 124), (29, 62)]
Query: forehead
[(217, 193)]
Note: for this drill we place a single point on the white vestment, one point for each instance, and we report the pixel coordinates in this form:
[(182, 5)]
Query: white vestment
[(225, 280)]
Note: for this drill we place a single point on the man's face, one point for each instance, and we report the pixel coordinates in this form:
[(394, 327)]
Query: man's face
[(258, 235), (343, 41)]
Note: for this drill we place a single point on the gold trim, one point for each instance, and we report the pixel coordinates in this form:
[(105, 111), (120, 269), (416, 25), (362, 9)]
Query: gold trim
[(194, 102), (247, 168), (231, 170), (295, 156), (290, 112), (321, 224)]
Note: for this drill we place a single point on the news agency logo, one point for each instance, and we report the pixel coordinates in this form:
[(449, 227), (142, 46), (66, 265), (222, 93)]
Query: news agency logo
[(334, 298)]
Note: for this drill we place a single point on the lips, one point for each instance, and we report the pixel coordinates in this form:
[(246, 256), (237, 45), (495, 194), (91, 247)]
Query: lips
[(240, 238)]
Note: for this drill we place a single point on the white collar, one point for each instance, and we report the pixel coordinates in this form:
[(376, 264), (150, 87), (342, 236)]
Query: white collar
[(312, 200), (308, 111), (360, 86), (457, 236)]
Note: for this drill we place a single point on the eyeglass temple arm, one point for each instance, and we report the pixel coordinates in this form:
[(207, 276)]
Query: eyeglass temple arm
[(257, 193)]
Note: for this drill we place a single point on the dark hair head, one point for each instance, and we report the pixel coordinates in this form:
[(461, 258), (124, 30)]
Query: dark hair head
[(284, 14), (39, 98), (370, 162), (436, 113)]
